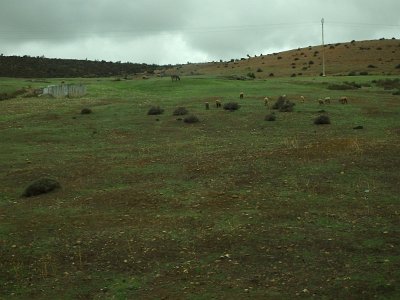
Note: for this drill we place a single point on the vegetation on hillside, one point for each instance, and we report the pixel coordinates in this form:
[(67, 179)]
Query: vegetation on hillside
[(41, 67)]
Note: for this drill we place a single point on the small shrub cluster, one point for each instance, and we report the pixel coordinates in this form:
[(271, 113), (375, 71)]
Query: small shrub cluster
[(5, 96), (86, 111), (283, 105), (180, 111), (231, 106), (270, 117), (41, 186), (388, 84), (344, 86), (155, 110), (321, 120), (191, 119)]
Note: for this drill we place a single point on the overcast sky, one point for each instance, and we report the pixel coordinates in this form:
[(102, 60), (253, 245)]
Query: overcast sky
[(180, 31)]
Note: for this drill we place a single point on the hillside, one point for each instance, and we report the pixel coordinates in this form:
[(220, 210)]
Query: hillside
[(378, 57), (41, 67)]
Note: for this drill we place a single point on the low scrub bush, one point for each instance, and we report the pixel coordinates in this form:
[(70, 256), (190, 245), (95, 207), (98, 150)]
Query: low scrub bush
[(41, 186), (344, 86), (191, 119), (180, 111), (283, 105), (270, 117), (388, 84), (323, 119), (155, 110), (86, 111), (231, 106)]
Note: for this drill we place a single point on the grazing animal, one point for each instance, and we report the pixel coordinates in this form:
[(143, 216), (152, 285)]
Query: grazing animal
[(343, 100), (302, 99), (266, 101), (175, 78), (320, 101), (241, 95), (218, 103), (327, 100), (207, 106)]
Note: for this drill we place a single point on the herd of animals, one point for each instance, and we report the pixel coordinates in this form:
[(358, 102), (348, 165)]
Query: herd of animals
[(267, 101)]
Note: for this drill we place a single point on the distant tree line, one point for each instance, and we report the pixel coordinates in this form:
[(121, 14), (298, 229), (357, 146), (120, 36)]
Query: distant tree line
[(41, 67)]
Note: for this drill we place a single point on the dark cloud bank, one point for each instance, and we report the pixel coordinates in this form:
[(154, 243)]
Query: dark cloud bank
[(177, 31)]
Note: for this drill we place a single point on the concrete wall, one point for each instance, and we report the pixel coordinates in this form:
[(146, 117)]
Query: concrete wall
[(65, 90)]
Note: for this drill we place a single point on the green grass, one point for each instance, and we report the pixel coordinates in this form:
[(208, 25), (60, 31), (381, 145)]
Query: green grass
[(150, 208)]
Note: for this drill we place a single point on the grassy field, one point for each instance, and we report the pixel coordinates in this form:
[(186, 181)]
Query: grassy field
[(233, 207)]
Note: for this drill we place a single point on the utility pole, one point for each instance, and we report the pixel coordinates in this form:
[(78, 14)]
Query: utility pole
[(323, 49)]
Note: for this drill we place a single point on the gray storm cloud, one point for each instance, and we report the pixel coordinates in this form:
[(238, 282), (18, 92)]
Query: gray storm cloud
[(177, 31)]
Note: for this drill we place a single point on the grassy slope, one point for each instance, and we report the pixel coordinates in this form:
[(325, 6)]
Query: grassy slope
[(375, 57), (148, 207)]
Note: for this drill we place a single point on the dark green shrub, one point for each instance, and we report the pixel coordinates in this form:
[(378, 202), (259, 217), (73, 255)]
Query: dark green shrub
[(398, 66), (344, 86), (191, 119), (270, 117), (180, 111), (363, 73), (155, 110), (259, 70), (323, 119), (231, 106), (41, 186), (86, 111), (283, 105), (396, 93), (251, 75), (388, 84)]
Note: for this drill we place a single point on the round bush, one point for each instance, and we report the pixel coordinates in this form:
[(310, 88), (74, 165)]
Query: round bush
[(41, 186), (155, 110), (231, 106), (322, 120), (270, 117), (180, 111), (191, 119), (86, 111), (283, 105)]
